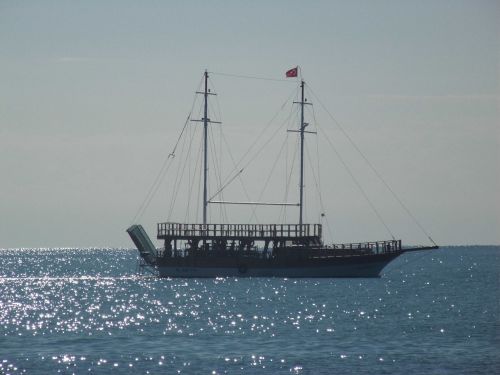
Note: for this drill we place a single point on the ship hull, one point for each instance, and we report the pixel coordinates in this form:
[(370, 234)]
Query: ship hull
[(367, 266)]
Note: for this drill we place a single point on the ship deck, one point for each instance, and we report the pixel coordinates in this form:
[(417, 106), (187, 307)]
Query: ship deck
[(286, 239)]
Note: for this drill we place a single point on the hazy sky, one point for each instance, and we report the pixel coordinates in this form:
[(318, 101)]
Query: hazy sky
[(94, 93)]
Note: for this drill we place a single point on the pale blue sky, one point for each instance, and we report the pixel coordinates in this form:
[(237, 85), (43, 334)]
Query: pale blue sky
[(93, 94)]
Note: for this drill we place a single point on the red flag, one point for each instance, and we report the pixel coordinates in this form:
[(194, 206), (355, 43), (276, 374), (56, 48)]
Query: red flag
[(292, 72)]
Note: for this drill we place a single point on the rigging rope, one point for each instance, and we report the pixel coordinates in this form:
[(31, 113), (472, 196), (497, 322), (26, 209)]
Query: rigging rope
[(288, 176), (164, 168), (288, 181), (320, 189), (161, 174), (190, 183), (216, 99), (254, 208), (178, 179), (215, 159), (237, 175), (370, 165), (198, 203), (236, 165), (218, 157), (252, 77), (317, 183), (196, 178), (356, 182)]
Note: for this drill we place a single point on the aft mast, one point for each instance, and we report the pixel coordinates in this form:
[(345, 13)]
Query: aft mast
[(302, 127), (205, 149)]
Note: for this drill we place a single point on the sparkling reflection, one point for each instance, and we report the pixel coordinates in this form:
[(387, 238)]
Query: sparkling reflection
[(84, 310)]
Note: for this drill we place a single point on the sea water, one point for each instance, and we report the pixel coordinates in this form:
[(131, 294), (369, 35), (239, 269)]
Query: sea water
[(87, 311)]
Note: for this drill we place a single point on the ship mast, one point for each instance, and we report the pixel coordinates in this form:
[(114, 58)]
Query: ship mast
[(302, 127), (205, 121), (205, 149)]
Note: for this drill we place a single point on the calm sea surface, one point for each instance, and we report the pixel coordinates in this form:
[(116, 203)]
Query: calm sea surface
[(86, 311)]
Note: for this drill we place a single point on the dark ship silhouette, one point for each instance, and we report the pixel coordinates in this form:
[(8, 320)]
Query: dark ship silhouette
[(259, 250)]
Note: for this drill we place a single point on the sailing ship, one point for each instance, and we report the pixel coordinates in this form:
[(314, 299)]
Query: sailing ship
[(208, 250)]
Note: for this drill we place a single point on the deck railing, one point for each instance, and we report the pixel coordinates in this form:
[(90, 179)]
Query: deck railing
[(375, 246), (254, 231), (338, 250)]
